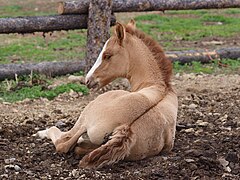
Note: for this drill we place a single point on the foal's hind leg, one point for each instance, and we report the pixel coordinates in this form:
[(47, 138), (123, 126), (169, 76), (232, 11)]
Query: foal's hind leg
[(84, 148)]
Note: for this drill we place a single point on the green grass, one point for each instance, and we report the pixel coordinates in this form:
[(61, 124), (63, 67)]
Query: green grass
[(38, 91), (68, 46), (35, 86), (60, 46), (216, 66), (189, 28), (21, 10), (186, 25)]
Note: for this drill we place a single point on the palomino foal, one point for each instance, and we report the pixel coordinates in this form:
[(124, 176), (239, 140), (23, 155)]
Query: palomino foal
[(120, 124)]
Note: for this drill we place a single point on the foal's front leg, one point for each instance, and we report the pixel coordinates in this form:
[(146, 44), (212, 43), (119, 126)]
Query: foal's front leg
[(63, 141)]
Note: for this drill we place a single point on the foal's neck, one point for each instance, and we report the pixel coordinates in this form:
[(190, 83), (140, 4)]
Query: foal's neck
[(143, 69)]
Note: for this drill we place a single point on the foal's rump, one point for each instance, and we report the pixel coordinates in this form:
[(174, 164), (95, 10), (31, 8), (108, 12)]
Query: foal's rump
[(155, 130)]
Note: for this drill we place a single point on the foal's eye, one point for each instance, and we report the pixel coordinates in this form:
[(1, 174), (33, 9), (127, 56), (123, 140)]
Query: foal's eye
[(107, 56)]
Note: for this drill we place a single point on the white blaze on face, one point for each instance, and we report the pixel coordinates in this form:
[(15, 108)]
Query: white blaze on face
[(97, 63)]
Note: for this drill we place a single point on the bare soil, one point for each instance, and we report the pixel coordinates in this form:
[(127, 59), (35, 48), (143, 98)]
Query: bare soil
[(207, 142)]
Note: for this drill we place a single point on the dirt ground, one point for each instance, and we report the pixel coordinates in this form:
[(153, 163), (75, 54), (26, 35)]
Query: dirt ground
[(207, 142)]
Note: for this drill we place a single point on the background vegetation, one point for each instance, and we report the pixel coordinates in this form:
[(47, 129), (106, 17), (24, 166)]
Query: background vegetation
[(174, 30)]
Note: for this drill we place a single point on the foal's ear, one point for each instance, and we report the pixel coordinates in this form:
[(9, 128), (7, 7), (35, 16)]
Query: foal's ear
[(120, 32), (132, 24)]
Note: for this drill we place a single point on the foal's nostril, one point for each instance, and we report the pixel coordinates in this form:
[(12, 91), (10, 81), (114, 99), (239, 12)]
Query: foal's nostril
[(87, 82)]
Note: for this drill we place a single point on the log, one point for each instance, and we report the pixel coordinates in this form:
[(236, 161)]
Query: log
[(44, 23), (98, 32), (81, 6), (204, 56), (8, 71)]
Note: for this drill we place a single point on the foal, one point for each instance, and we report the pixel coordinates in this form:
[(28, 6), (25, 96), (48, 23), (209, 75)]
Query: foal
[(120, 124)]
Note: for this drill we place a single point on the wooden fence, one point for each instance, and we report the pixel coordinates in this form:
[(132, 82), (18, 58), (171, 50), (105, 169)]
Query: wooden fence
[(97, 16)]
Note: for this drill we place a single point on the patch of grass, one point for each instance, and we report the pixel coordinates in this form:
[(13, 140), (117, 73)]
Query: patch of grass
[(68, 46), (80, 73), (232, 11), (35, 86), (188, 28), (196, 12), (16, 11), (216, 66), (11, 8), (38, 91)]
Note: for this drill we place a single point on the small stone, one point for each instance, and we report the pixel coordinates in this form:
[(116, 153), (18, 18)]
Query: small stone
[(73, 94), (80, 79), (4, 176), (202, 123), (36, 128), (17, 168), (32, 145), (75, 173), (198, 132), (53, 166), (6, 103), (165, 158), (10, 160), (43, 177), (189, 130), (10, 166), (177, 75), (223, 162), (228, 169), (213, 42), (82, 176), (189, 160), (192, 106), (136, 172)]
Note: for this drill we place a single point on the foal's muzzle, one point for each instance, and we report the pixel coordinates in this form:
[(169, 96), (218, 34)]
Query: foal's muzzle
[(91, 83)]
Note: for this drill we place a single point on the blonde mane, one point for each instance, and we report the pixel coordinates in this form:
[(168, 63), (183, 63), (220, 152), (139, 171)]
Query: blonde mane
[(163, 62)]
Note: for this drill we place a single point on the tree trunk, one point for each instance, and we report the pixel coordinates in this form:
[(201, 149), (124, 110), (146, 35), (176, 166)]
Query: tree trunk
[(204, 56), (61, 68), (44, 23), (98, 29), (81, 6), (73, 7), (8, 71)]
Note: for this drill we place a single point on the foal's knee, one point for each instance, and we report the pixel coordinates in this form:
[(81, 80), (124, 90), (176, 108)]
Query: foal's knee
[(62, 148)]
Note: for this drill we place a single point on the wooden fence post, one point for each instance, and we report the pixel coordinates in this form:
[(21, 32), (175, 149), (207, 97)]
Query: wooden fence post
[(99, 18)]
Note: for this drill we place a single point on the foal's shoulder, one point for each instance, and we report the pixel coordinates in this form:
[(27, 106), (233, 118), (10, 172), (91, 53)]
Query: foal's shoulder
[(111, 94)]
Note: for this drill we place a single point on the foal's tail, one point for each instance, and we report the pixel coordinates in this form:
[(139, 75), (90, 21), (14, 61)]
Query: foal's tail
[(116, 149)]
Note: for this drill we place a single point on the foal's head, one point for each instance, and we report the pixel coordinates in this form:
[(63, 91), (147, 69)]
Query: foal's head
[(113, 60), (124, 53)]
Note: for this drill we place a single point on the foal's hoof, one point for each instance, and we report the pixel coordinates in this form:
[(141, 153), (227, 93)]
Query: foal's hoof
[(41, 134)]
